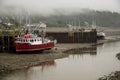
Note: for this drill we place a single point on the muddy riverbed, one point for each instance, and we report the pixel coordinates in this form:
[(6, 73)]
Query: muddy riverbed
[(13, 61), (85, 63), (19, 61)]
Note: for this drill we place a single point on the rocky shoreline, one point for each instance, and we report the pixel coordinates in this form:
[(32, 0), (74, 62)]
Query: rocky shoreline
[(118, 56), (114, 75)]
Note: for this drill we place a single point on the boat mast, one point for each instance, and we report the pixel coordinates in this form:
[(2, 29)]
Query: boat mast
[(43, 30), (93, 25)]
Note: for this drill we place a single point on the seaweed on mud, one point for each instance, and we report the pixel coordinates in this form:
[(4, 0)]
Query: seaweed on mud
[(118, 56)]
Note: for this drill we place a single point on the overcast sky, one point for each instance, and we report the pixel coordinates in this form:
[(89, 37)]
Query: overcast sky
[(46, 6)]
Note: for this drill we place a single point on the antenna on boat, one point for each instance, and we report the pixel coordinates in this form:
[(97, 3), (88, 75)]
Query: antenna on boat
[(43, 30), (26, 19), (29, 17), (79, 26), (20, 21), (93, 25)]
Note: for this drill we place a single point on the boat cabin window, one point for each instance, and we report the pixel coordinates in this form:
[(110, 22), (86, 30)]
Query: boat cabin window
[(31, 40), (23, 40), (26, 40)]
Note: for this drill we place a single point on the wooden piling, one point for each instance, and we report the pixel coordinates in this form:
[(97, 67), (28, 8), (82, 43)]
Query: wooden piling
[(7, 38), (7, 44)]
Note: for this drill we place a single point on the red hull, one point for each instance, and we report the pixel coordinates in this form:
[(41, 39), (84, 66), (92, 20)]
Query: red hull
[(28, 47)]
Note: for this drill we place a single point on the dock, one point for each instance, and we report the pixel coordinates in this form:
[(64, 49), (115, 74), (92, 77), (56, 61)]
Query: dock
[(74, 37), (7, 38)]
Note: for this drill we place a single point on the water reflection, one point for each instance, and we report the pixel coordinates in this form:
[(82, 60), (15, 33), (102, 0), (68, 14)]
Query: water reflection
[(47, 63), (81, 51), (32, 73)]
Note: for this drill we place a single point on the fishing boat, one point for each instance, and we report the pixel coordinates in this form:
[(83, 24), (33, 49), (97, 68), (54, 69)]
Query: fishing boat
[(100, 35), (33, 42)]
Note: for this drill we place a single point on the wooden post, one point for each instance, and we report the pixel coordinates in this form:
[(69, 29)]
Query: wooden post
[(9, 43), (2, 43)]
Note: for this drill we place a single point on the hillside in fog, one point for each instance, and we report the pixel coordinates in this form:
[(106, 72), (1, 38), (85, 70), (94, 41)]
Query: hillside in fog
[(60, 18), (102, 18), (58, 13)]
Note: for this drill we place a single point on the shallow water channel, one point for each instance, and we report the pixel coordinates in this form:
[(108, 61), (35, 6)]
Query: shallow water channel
[(81, 64)]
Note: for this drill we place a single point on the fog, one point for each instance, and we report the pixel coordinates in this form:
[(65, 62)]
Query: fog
[(51, 6)]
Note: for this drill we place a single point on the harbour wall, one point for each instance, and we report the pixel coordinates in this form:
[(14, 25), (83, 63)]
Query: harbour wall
[(7, 43), (7, 39), (74, 37)]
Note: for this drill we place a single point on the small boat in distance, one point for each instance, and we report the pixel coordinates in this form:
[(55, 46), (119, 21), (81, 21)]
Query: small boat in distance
[(100, 35), (33, 42)]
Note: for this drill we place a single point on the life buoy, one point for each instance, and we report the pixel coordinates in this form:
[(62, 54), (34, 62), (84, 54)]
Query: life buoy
[(27, 36)]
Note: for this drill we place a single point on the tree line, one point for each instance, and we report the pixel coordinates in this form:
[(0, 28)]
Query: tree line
[(101, 18)]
